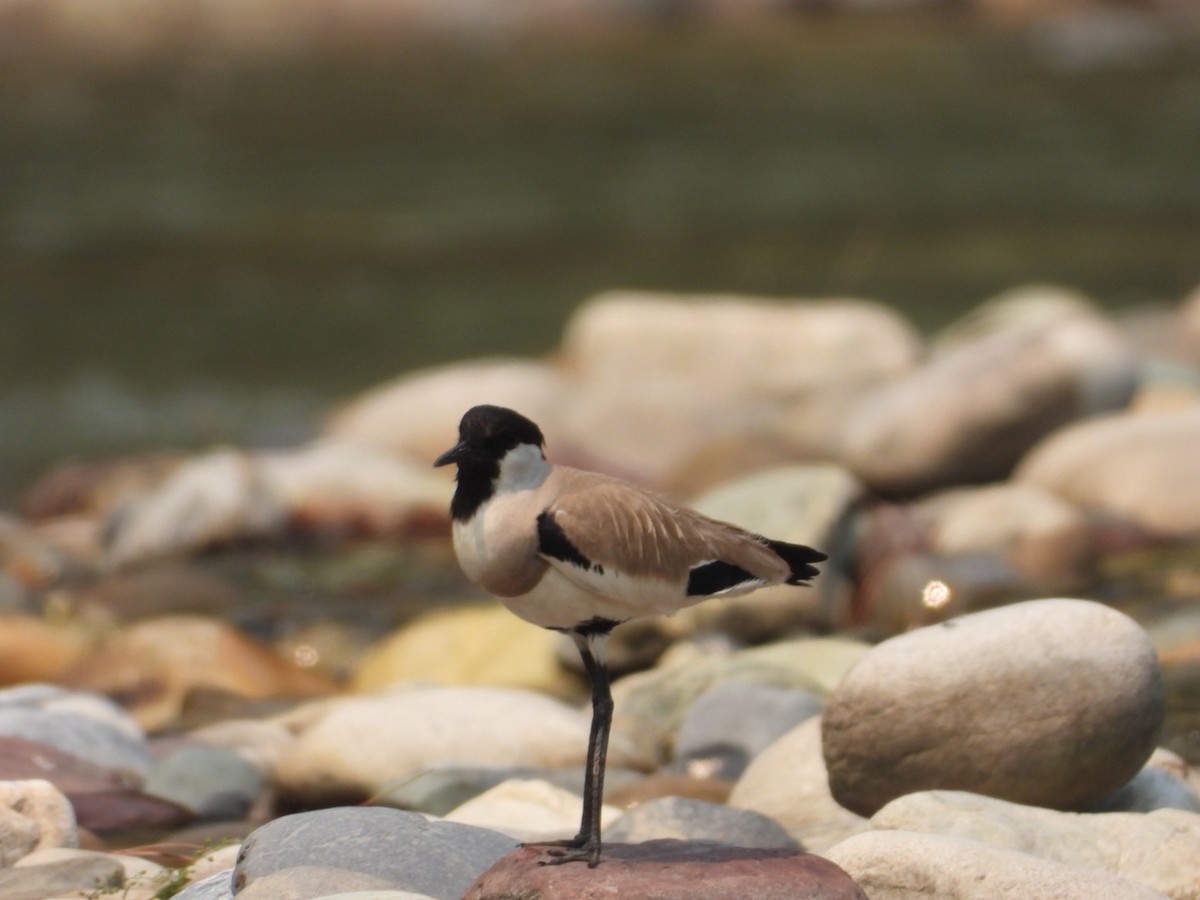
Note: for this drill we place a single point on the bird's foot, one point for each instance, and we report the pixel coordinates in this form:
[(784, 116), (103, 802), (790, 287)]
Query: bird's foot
[(576, 849)]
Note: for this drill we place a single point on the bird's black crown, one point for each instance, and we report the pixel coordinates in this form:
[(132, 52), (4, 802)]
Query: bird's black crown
[(494, 430)]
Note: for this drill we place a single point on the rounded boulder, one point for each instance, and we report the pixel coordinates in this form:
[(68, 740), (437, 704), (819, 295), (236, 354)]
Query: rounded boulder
[(1049, 703)]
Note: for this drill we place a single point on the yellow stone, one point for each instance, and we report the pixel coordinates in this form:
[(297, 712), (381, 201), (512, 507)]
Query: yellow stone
[(467, 645)]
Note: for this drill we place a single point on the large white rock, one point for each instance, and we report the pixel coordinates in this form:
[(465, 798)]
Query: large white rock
[(1047, 702), (904, 865), (789, 783), (972, 411), (1160, 849), (353, 746), (1142, 467)]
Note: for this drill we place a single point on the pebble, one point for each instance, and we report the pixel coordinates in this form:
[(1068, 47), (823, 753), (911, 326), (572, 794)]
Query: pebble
[(416, 415), (355, 746), (683, 818), (528, 810), (661, 376), (82, 725), (732, 722), (214, 782), (61, 878), (970, 413), (788, 783), (900, 865), (161, 663), (465, 645), (1142, 467), (669, 870), (1049, 702), (401, 848), (1160, 849), (34, 815), (651, 706)]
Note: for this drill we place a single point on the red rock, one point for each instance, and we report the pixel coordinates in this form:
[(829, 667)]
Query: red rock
[(668, 870)]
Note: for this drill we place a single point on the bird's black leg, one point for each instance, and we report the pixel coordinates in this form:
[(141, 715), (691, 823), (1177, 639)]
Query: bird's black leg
[(586, 844)]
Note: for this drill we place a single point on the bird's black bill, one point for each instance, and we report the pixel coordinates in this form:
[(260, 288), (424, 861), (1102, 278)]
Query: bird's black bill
[(453, 455)]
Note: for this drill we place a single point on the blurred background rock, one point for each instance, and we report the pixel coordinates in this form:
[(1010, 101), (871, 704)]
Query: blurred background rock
[(217, 219)]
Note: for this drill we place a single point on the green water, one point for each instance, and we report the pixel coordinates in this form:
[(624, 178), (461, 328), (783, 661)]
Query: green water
[(205, 247)]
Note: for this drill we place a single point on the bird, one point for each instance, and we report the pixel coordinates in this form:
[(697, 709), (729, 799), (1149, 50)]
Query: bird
[(580, 552)]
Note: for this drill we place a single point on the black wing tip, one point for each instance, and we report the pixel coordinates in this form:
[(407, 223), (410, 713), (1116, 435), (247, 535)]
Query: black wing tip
[(715, 577), (800, 560)]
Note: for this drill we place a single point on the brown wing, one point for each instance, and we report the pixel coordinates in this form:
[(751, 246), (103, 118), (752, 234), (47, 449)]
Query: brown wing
[(616, 525)]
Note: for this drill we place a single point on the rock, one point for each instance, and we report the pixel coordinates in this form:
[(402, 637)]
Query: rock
[(160, 663), (334, 488), (728, 725), (898, 865), (84, 726), (62, 878), (1188, 328), (1044, 539), (214, 782), (527, 810), (741, 347), (136, 876), (210, 500), (807, 504), (417, 414), (438, 790), (1143, 467), (436, 858), (34, 650), (1022, 307), (218, 886), (1163, 783), (34, 815), (662, 377), (376, 895), (305, 882), (356, 745), (481, 645), (259, 742), (1048, 702), (970, 413), (169, 587), (669, 870), (788, 783), (682, 818), (651, 706), (1160, 849)]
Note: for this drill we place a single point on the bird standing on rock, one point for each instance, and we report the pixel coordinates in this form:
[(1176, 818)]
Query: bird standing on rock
[(579, 552)]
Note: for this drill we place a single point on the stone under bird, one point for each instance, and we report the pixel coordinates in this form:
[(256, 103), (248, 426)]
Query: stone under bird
[(580, 553)]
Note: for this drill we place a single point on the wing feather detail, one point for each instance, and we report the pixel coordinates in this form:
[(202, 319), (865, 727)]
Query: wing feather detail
[(633, 532)]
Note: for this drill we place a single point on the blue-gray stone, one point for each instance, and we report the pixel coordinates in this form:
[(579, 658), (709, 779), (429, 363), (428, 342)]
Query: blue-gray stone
[(437, 858), (214, 782)]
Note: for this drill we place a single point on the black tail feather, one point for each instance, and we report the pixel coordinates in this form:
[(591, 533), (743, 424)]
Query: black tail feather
[(799, 559)]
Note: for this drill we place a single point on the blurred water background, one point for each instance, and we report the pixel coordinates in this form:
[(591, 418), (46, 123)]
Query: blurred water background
[(216, 221)]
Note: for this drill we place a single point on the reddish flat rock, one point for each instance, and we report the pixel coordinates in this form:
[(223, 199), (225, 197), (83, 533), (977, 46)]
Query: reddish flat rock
[(668, 870)]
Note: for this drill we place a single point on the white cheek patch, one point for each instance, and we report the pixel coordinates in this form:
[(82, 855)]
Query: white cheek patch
[(522, 469)]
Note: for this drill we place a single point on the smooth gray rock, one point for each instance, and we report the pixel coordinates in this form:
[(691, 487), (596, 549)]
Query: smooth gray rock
[(432, 857), (1050, 702), (58, 879), (731, 723), (686, 819), (214, 887), (85, 738), (214, 782)]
